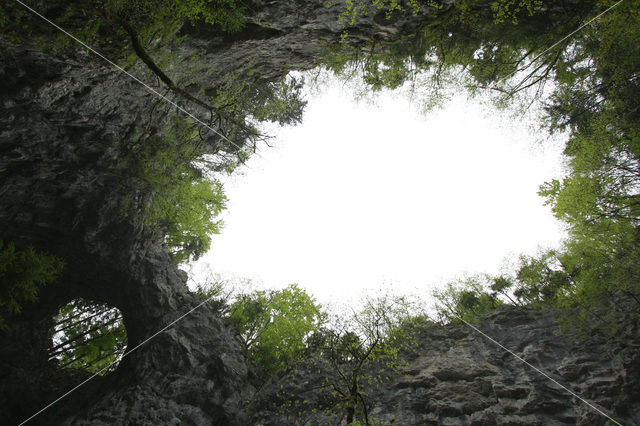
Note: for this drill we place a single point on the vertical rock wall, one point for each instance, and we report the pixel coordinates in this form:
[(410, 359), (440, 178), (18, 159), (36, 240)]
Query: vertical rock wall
[(66, 124), (66, 189), (455, 376)]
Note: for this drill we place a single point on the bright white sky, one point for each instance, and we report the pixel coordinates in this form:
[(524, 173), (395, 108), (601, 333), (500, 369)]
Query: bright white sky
[(360, 197)]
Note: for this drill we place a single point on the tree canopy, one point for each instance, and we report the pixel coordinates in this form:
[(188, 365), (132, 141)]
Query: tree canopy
[(580, 59), (275, 324)]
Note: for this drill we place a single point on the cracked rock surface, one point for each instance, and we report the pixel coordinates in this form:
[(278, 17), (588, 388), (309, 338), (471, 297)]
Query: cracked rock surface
[(66, 187), (458, 377)]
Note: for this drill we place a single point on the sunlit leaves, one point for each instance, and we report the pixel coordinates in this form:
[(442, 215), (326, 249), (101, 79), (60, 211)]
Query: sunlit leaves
[(275, 324), (185, 200)]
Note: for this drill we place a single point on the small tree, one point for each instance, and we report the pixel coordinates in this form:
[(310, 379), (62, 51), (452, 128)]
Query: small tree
[(540, 279), (363, 349), (502, 285), (466, 299), (275, 325)]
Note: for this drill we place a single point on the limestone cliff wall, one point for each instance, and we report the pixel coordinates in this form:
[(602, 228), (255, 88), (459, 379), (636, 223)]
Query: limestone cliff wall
[(65, 190), (66, 124), (456, 376)]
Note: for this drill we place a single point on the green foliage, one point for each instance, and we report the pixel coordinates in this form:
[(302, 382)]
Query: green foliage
[(354, 8), (467, 299), (245, 102), (227, 14), (217, 293), (510, 9), (95, 19), (601, 187), (502, 285), (150, 30), (595, 72), (596, 101), (540, 279), (4, 17), (488, 40), (275, 325), (88, 336), (22, 272), (594, 283), (185, 201), (388, 319), (362, 350), (279, 102)]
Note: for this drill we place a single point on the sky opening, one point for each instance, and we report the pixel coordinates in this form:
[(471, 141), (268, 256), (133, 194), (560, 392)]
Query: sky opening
[(363, 197)]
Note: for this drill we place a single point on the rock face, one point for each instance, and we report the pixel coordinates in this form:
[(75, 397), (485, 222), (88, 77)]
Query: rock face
[(456, 376), (64, 190), (66, 125)]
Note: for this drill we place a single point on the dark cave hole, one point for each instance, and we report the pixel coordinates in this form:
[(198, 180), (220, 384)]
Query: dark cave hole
[(88, 336)]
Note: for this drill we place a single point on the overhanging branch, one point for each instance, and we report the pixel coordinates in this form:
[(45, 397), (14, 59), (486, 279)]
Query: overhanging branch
[(150, 63)]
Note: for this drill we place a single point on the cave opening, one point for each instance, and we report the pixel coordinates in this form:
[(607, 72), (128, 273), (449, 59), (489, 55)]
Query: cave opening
[(65, 167), (414, 199), (88, 336)]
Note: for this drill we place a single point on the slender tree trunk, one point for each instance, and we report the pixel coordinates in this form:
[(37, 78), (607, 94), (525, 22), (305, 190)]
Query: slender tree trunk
[(353, 399), (76, 315), (79, 321), (351, 410), (52, 351), (150, 63)]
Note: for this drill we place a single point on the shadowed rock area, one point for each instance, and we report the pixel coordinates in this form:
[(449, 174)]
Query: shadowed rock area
[(66, 127), (65, 190), (456, 376)]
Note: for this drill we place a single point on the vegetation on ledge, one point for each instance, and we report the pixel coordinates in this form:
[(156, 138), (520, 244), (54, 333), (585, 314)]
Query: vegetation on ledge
[(588, 84), (22, 273)]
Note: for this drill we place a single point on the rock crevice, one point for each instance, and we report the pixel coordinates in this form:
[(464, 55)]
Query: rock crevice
[(66, 126)]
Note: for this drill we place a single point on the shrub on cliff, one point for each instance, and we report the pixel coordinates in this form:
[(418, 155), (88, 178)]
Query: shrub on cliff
[(275, 325), (184, 200), (22, 272), (347, 361), (466, 299)]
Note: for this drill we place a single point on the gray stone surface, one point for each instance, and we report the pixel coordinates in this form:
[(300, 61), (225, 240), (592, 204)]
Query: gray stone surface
[(66, 187), (456, 376), (66, 125)]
